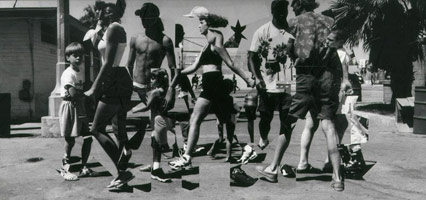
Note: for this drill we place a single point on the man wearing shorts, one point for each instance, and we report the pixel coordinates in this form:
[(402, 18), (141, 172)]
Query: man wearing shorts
[(317, 86), (149, 49), (271, 97)]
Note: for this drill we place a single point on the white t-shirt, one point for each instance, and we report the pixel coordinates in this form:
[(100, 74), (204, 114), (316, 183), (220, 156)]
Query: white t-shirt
[(343, 55), (274, 36), (72, 78)]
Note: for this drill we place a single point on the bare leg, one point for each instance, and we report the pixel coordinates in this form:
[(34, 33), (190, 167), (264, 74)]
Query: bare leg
[(69, 144), (265, 125), (201, 109), (159, 138), (185, 99), (230, 128), (219, 129), (311, 125), (332, 141), (85, 149), (283, 141), (341, 126), (104, 112)]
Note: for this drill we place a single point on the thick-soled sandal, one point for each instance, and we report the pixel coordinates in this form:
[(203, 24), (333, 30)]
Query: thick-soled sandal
[(121, 180), (338, 185), (309, 170)]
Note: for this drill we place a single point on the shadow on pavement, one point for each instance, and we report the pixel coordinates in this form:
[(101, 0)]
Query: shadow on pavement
[(21, 135), (317, 178), (125, 189), (143, 187), (189, 185), (358, 175)]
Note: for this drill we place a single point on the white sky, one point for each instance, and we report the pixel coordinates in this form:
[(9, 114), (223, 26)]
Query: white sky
[(252, 13)]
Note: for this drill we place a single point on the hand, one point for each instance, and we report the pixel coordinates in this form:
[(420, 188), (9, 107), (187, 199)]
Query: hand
[(261, 86), (89, 93), (346, 87), (251, 83)]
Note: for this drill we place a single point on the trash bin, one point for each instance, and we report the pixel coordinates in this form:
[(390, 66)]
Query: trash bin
[(387, 91), (5, 115), (419, 126)]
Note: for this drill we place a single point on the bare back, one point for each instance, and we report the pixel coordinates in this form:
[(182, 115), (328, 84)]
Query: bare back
[(148, 54)]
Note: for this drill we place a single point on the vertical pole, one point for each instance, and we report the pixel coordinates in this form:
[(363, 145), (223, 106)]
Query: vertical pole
[(50, 124), (62, 23)]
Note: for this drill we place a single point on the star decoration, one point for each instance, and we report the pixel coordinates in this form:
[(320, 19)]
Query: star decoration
[(238, 29)]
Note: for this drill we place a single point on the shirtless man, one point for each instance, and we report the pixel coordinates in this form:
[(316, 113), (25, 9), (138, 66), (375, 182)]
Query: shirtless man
[(148, 49)]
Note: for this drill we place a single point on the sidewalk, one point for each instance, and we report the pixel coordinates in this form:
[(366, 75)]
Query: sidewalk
[(398, 169)]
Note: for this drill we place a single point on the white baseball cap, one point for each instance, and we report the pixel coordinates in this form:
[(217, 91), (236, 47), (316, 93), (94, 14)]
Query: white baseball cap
[(197, 11)]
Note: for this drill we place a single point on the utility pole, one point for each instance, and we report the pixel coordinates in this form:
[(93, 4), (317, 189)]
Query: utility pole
[(50, 124)]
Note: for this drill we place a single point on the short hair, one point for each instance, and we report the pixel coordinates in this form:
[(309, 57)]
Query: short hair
[(161, 77), (278, 5), (73, 48), (148, 10), (214, 20), (308, 5)]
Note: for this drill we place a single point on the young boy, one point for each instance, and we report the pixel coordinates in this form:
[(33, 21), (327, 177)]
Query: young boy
[(72, 116), (162, 123)]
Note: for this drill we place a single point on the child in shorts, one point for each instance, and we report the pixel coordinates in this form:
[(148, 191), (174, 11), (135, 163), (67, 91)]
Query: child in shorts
[(156, 103), (72, 116)]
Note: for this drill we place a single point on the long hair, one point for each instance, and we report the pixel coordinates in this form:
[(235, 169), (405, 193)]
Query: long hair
[(215, 21), (161, 79)]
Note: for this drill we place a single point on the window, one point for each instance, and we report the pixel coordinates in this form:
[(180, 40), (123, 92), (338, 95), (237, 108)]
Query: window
[(48, 33)]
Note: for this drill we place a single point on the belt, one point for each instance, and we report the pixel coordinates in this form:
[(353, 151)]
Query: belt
[(141, 86), (310, 69)]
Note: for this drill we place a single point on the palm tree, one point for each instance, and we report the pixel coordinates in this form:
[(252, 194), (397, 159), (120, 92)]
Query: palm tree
[(391, 30), (89, 17)]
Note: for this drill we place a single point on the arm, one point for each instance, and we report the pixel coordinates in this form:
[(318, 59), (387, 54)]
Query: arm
[(254, 66), (115, 35), (141, 107), (346, 85), (74, 93), (218, 48), (196, 64), (132, 56), (171, 60)]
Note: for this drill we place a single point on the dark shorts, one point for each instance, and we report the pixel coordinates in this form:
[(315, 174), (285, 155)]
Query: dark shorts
[(214, 91), (117, 86), (270, 102), (316, 91), (250, 112), (184, 83)]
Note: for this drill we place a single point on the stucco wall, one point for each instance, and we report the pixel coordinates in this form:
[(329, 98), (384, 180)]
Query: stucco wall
[(15, 66)]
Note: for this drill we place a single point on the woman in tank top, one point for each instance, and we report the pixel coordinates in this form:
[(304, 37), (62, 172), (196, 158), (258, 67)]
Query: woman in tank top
[(113, 86), (213, 95)]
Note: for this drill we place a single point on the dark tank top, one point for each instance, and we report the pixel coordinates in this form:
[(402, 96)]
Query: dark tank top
[(157, 107), (211, 58)]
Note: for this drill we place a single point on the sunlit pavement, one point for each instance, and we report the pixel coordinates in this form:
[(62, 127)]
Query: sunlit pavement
[(396, 168)]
